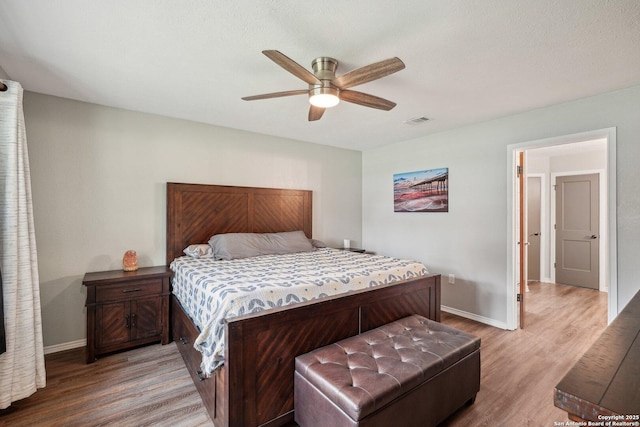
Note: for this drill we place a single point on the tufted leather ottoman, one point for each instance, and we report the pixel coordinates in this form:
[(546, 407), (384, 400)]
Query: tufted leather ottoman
[(411, 372)]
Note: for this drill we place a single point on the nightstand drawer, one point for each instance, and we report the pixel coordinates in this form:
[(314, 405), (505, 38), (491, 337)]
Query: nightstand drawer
[(134, 289)]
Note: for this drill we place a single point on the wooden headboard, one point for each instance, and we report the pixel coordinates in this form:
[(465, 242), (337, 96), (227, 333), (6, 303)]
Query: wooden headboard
[(195, 212)]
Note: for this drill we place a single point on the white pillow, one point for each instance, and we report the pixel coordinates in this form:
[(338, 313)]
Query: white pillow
[(199, 251)]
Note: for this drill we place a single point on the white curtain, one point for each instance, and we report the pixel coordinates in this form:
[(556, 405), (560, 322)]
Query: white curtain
[(22, 366)]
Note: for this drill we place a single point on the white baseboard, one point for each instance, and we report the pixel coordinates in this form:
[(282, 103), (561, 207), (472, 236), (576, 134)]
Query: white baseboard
[(487, 321), (477, 318), (65, 346), (491, 322)]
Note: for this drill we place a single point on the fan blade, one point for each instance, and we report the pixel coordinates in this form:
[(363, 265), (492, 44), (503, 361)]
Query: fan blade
[(369, 73), (276, 94), (292, 66), (315, 113), (366, 100)]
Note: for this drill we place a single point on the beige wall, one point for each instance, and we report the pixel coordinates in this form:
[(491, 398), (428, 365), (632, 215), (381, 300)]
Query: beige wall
[(470, 240), (98, 178)]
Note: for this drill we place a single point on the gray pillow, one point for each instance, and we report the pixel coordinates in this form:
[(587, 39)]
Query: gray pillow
[(243, 245), (317, 243)]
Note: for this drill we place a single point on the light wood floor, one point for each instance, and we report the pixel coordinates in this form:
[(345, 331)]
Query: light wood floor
[(519, 369), (151, 386)]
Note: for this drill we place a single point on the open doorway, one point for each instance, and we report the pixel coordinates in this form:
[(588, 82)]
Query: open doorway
[(590, 152), (576, 174)]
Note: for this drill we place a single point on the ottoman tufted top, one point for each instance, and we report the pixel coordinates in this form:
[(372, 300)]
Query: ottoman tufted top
[(363, 373)]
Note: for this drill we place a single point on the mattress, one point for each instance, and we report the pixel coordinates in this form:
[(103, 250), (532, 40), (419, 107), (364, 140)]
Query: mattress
[(211, 291)]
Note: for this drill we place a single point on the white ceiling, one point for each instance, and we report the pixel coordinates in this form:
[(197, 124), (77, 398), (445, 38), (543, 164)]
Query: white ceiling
[(466, 61)]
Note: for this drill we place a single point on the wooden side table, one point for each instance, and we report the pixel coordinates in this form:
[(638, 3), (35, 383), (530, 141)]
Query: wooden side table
[(604, 381), (359, 250), (126, 309)]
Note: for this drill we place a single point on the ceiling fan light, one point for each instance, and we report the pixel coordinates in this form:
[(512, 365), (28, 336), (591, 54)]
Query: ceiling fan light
[(324, 97), (324, 100)]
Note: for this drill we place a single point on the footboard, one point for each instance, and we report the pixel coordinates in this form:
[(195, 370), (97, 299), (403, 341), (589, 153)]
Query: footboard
[(255, 385), (261, 348)]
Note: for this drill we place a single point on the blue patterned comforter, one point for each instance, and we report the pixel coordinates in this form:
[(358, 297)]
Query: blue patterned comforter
[(211, 291)]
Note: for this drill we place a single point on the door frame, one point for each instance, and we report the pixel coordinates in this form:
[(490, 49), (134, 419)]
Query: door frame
[(513, 150), (603, 237)]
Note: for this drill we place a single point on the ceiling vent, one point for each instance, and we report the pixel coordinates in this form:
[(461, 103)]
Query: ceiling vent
[(416, 121)]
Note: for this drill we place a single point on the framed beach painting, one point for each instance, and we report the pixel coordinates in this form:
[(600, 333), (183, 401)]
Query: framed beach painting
[(421, 191)]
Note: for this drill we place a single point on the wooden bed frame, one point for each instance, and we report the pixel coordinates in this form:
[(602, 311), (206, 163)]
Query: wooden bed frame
[(254, 387)]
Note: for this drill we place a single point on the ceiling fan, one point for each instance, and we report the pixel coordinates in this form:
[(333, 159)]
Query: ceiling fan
[(325, 89)]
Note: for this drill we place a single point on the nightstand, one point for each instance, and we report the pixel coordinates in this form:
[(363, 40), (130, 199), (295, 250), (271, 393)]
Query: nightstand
[(361, 251), (126, 309)]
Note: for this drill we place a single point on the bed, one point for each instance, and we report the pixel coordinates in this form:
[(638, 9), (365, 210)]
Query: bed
[(253, 385)]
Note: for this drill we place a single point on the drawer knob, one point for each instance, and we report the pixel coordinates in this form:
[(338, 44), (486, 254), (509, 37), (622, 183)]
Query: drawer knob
[(126, 291)]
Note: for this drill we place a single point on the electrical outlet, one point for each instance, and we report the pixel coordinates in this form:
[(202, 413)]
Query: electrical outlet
[(452, 278)]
